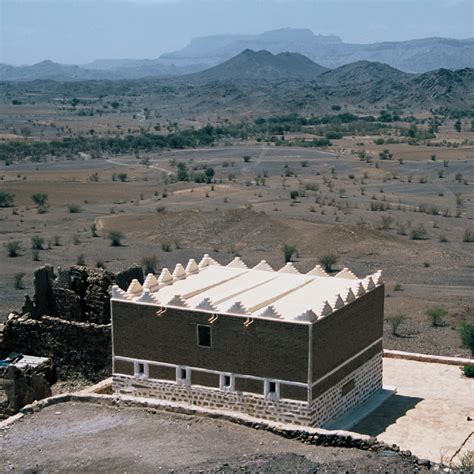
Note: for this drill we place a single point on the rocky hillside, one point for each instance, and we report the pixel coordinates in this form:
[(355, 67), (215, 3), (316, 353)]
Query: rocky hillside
[(262, 65)]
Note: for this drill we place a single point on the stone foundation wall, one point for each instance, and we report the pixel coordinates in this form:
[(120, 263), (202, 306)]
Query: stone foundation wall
[(285, 411), (334, 403), (349, 392)]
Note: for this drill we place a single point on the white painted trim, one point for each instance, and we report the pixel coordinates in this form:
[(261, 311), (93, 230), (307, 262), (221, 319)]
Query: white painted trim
[(146, 371), (210, 371), (231, 386), (325, 376), (272, 395)]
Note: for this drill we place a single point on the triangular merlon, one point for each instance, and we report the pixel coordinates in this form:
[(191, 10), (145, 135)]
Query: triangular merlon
[(179, 272), (271, 312), (134, 288), (206, 261), (289, 268), (207, 304), (237, 263), (346, 273), (368, 283), (165, 277), (238, 308), (151, 283), (119, 294), (324, 310), (192, 267), (318, 271), (338, 303), (360, 290), (307, 315), (177, 300), (376, 277), (350, 296), (147, 297), (263, 266)]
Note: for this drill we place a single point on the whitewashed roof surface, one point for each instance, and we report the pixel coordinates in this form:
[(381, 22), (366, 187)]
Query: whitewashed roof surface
[(258, 292)]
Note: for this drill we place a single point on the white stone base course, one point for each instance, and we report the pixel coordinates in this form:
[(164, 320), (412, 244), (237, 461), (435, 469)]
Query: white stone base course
[(332, 404), (326, 408)]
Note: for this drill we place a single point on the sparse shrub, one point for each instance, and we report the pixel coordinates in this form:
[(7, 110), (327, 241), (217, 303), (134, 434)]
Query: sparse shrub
[(74, 208), (443, 238), (76, 240), (41, 201), (6, 199), (166, 247), (94, 230), (37, 242), (57, 241), (468, 236), (123, 177), (385, 223), (466, 331), (398, 287), (247, 158), (160, 209), (288, 251), (115, 237), (100, 264), (395, 321), (304, 164), (327, 261), (81, 260), (149, 264), (468, 371), (419, 233), (18, 281), (35, 255), (437, 314), (13, 248), (294, 195)]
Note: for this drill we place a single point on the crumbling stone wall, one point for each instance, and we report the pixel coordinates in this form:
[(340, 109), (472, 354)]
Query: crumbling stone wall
[(77, 349), (68, 319)]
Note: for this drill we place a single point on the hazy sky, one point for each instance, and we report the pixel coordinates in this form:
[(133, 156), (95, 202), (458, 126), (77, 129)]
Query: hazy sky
[(78, 31)]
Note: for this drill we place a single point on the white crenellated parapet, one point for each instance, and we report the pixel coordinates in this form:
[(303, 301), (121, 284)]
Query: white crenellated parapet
[(119, 294), (134, 288), (350, 296), (178, 300), (192, 267), (318, 271), (263, 267), (165, 278), (271, 312), (237, 263), (308, 315), (323, 311), (151, 283), (238, 308), (346, 273), (288, 268), (179, 272), (207, 304), (147, 297)]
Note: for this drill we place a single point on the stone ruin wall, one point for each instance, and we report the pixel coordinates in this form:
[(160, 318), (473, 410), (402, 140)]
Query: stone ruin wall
[(68, 320)]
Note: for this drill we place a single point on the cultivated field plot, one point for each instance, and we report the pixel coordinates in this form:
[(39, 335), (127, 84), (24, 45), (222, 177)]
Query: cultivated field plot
[(413, 218)]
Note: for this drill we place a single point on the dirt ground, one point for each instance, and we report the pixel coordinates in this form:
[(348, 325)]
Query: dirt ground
[(362, 212), (85, 437)]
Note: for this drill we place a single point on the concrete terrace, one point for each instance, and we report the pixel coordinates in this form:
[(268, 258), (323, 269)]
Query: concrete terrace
[(259, 292)]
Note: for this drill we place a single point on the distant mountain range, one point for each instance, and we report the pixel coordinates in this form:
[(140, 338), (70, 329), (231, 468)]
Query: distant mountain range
[(414, 56)]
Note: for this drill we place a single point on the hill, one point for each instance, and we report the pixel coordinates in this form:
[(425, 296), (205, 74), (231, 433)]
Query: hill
[(262, 65)]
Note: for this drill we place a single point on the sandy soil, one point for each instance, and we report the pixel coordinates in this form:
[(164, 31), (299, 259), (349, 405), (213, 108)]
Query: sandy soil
[(332, 215)]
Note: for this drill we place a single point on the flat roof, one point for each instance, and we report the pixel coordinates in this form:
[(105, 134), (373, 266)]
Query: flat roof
[(258, 292)]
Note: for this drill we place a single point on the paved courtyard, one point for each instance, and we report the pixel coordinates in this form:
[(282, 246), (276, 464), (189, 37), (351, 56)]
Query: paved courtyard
[(429, 413)]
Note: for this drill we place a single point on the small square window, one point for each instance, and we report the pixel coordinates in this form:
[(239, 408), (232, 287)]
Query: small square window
[(272, 387), (227, 382), (183, 375), (141, 370), (204, 336)]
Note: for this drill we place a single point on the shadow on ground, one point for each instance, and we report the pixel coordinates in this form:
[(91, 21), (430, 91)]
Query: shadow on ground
[(386, 414)]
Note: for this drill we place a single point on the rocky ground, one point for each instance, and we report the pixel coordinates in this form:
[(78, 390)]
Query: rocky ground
[(94, 438)]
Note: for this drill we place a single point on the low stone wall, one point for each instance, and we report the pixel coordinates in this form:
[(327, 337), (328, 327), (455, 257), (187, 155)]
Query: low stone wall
[(77, 349), (459, 361)]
